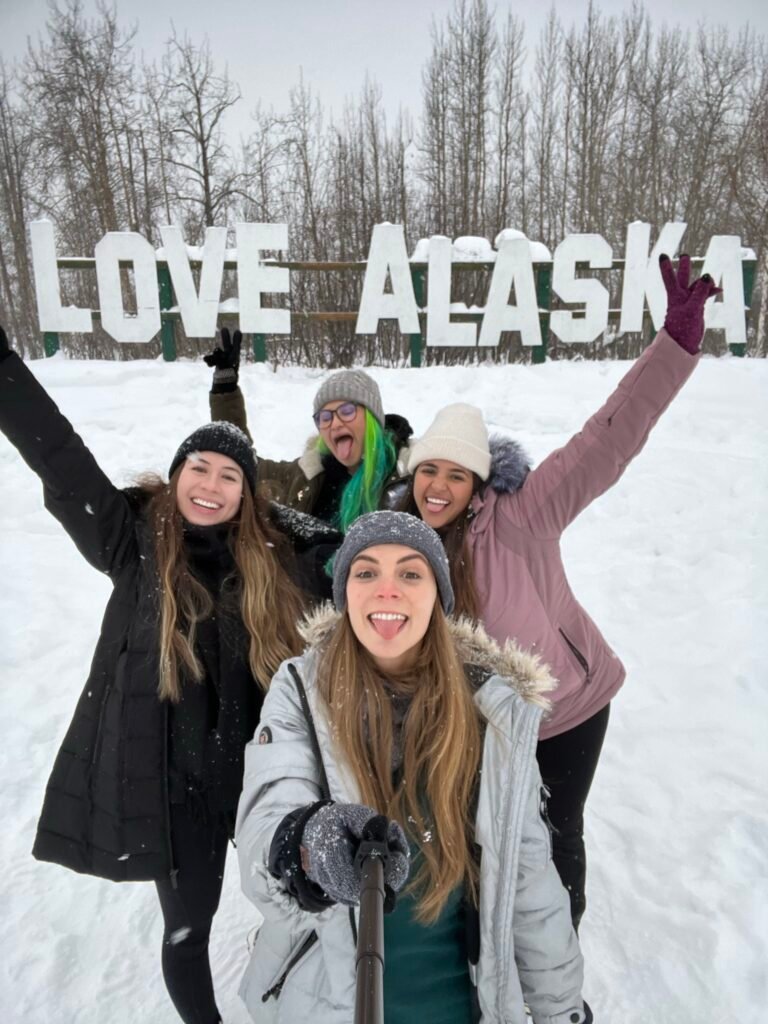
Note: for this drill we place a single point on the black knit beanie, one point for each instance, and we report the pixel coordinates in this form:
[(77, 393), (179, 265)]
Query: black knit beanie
[(224, 438)]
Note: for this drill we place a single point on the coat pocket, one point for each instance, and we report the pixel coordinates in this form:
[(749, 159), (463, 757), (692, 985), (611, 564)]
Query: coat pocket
[(295, 958), (582, 661)]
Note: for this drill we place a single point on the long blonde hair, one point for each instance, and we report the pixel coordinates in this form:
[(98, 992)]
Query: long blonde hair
[(269, 603), (432, 794)]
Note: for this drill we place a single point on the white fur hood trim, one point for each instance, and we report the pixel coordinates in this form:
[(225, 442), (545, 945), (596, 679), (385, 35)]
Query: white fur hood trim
[(525, 672), (310, 460)]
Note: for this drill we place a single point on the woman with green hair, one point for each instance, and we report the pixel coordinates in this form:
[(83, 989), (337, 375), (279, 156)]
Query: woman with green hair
[(346, 467)]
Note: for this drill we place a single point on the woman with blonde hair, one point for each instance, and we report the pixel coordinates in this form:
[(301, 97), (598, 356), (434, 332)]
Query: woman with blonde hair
[(395, 709), (147, 780)]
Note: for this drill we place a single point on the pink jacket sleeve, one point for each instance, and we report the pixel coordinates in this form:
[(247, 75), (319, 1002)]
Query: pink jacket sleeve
[(594, 459)]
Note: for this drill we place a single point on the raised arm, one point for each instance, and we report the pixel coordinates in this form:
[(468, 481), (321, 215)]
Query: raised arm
[(95, 513), (594, 459), (226, 398)]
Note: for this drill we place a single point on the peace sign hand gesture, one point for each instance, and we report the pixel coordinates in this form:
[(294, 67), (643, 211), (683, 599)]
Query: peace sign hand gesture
[(685, 302), (225, 359)]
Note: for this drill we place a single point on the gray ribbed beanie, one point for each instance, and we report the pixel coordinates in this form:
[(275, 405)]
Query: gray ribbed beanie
[(224, 438), (351, 386), (392, 528)]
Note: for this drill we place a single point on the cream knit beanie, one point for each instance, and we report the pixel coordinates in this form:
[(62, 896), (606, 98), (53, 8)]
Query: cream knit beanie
[(458, 433)]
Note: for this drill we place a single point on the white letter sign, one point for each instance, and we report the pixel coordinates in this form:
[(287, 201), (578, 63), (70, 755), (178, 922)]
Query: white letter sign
[(594, 250), (388, 261), (254, 278), (129, 247), (440, 330), (387, 253), (199, 312), (513, 266), (51, 314), (726, 311), (641, 274)]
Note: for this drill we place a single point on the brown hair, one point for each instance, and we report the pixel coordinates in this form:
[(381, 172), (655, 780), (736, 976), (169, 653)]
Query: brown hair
[(269, 602), (456, 543), (432, 794)]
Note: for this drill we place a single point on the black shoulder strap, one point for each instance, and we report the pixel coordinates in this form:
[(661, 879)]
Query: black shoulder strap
[(324, 787)]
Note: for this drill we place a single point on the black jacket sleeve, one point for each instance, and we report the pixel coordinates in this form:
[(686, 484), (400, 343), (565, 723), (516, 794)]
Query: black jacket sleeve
[(94, 512), (285, 860)]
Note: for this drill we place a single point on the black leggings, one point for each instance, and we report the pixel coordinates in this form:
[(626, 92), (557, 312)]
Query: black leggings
[(567, 763), (199, 852)]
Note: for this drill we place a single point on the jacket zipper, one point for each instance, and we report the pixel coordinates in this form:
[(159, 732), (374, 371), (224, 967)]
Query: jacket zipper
[(577, 655), (303, 949), (97, 743), (174, 871), (100, 726), (523, 739)]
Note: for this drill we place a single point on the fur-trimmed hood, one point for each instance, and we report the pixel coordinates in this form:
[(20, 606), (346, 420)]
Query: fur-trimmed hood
[(482, 656), (510, 465)]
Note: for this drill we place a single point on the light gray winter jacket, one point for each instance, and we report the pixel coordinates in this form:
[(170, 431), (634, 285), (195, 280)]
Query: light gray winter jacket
[(528, 950)]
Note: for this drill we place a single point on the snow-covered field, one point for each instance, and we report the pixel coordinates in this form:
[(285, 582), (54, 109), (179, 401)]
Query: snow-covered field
[(672, 564)]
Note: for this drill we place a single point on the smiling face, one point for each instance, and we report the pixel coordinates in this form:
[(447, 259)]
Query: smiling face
[(441, 490), (391, 594), (345, 439), (209, 489)]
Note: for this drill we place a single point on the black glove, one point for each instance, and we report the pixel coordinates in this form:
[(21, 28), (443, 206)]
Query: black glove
[(331, 838), (226, 361), (5, 348)]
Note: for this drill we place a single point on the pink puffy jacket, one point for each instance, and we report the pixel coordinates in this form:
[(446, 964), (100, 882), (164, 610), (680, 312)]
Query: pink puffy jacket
[(515, 538)]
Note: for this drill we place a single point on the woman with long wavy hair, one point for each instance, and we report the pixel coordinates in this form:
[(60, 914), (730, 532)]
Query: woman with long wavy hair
[(398, 710), (203, 611)]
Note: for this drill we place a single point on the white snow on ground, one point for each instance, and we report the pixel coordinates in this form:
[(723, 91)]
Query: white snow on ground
[(673, 565)]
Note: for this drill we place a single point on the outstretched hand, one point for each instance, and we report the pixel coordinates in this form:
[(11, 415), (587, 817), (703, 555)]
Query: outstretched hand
[(330, 842), (5, 348), (685, 302), (225, 359)]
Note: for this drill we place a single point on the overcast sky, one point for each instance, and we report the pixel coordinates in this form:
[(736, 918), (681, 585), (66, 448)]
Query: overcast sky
[(336, 42)]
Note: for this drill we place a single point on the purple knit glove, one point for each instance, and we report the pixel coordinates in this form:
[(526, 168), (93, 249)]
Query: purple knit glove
[(685, 302)]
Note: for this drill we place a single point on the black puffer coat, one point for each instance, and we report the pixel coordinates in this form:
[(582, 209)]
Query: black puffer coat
[(106, 805)]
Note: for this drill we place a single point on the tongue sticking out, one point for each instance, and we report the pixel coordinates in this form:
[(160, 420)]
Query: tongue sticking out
[(344, 447), (387, 628)]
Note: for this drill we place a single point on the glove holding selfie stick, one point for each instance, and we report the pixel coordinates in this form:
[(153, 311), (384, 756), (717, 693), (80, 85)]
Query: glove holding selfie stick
[(333, 838)]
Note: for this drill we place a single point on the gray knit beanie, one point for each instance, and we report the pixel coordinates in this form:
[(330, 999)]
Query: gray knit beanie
[(392, 528), (224, 438), (351, 386)]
